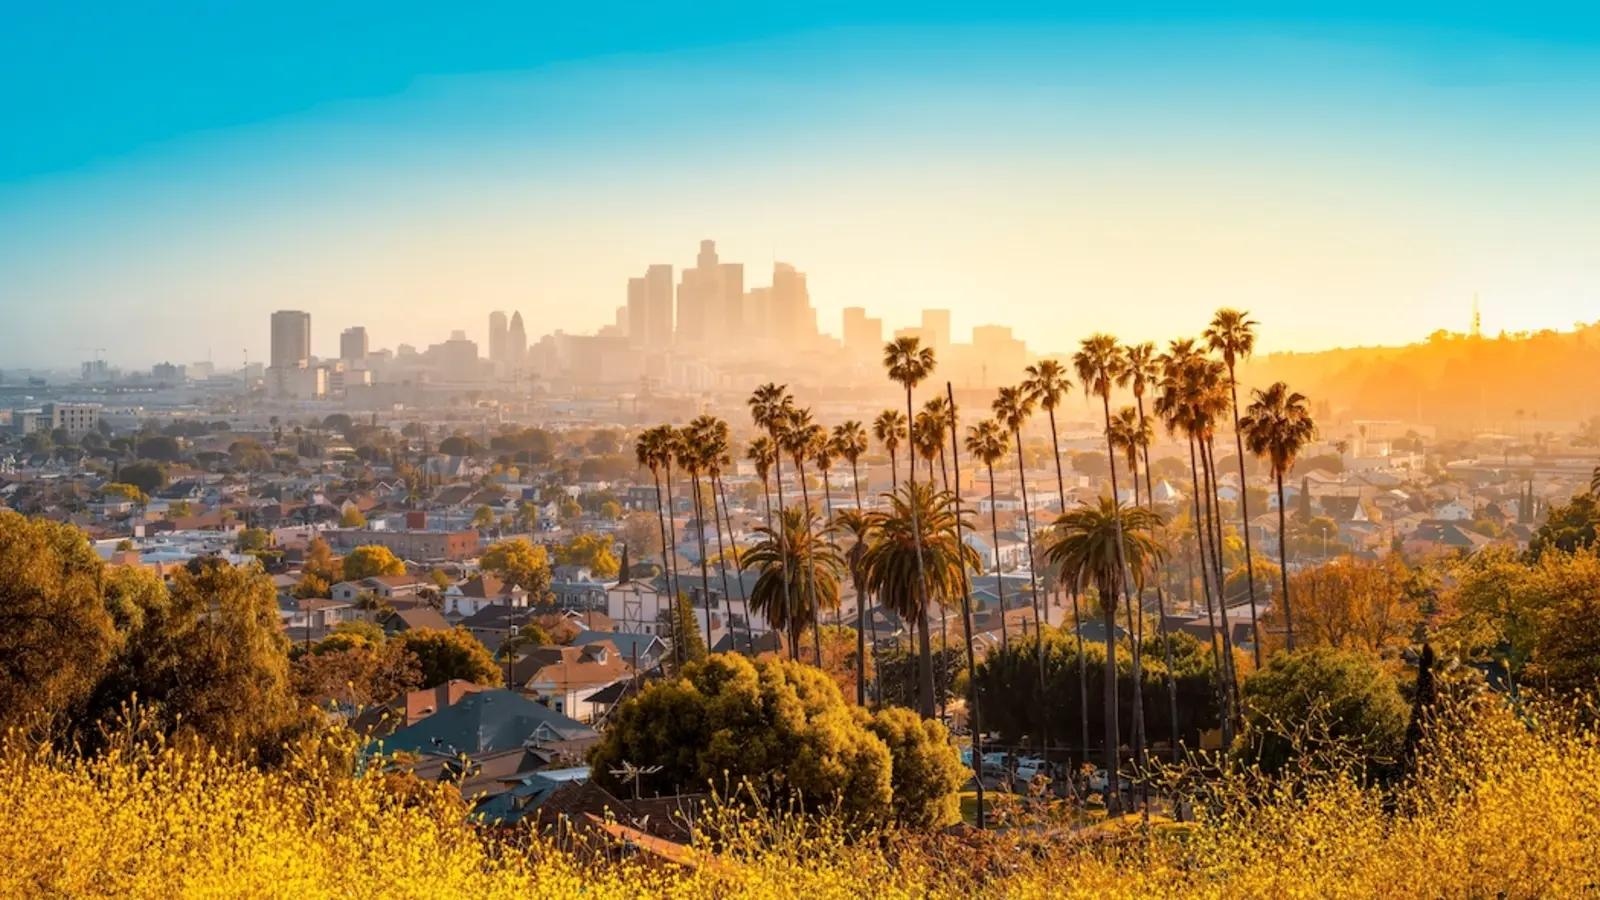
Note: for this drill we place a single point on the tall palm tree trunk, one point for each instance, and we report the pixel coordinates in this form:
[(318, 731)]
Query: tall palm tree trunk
[(976, 717), (1214, 514), (861, 610), (1202, 528), (1283, 562), (1244, 513), (1113, 731), (944, 614), (1136, 640), (1113, 793), (1033, 584), (925, 652), (700, 538), (720, 496), (1083, 672), (827, 504), (810, 582), (783, 541), (999, 579), (1061, 481), (674, 578), (1161, 600)]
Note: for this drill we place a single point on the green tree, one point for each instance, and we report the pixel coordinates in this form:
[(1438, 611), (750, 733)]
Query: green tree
[(1336, 707), (785, 730), (925, 771), (592, 551), (55, 634), (688, 644), (206, 659), (127, 492), (145, 475), (1569, 527), (319, 561), (253, 540), (448, 654), (520, 562), (352, 518), (370, 560)]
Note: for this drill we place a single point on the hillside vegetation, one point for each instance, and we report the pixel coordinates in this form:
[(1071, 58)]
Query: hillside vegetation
[(1499, 806)]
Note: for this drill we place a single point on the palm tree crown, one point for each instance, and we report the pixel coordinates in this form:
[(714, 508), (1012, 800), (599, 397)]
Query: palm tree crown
[(1232, 333), (1083, 543), (908, 362), (988, 442), (790, 566), (850, 441), (1047, 382), (1099, 363), (890, 562), (760, 453), (1276, 426)]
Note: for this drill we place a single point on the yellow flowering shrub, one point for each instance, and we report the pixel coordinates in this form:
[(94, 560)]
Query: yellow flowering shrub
[(1501, 806)]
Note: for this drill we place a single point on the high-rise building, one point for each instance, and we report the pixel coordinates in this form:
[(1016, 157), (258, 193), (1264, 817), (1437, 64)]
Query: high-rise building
[(863, 335), (936, 327), (291, 339), (516, 347), (353, 344), (499, 338), (650, 314), (710, 300), (794, 321)]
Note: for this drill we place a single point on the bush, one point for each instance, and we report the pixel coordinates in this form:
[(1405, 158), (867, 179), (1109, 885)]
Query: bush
[(783, 730), (1338, 704)]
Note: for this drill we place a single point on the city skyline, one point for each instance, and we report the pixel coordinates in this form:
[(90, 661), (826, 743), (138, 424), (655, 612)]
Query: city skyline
[(1058, 173)]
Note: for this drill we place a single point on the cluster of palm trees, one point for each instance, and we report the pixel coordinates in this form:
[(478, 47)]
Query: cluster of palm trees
[(909, 553)]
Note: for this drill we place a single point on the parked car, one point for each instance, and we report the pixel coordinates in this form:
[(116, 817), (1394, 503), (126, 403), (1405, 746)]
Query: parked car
[(1029, 766), (966, 757), (1098, 782), (996, 762)]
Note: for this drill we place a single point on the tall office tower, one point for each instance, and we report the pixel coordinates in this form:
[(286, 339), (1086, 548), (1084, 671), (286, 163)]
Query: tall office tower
[(650, 318), (794, 321), (499, 337), (936, 325), (353, 344), (863, 336), (516, 348), (291, 339), (710, 300)]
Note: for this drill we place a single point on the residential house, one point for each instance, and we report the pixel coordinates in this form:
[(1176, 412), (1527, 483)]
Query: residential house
[(566, 677)]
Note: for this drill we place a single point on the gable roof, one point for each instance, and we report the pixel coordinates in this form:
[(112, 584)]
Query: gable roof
[(487, 722)]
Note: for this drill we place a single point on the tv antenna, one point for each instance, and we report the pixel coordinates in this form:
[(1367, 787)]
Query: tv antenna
[(630, 772)]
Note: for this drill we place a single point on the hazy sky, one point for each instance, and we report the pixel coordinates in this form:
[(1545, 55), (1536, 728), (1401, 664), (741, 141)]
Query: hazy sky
[(167, 178)]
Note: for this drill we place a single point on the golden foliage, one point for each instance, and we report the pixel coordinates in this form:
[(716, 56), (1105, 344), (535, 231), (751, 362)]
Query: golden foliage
[(1501, 806)]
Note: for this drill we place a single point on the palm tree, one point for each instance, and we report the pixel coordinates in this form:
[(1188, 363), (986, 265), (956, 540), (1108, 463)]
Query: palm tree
[(762, 453), (1232, 333), (770, 406), (670, 440), (859, 526), (975, 720), (1594, 483), (1276, 427), (941, 418), (927, 440), (793, 559), (1047, 382), (889, 428), (988, 444), (1188, 402), (1130, 433), (651, 451), (1012, 409), (688, 450), (908, 363), (850, 442), (799, 438), (1098, 544), (917, 560), (715, 443), (1142, 370)]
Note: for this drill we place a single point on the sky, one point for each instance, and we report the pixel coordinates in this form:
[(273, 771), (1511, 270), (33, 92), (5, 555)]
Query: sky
[(1351, 174)]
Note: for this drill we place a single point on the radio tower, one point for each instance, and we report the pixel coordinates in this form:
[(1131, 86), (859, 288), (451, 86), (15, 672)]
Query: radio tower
[(1477, 318)]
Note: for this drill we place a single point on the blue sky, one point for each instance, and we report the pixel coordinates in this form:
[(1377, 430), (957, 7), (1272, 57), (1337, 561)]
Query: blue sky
[(1354, 174)]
